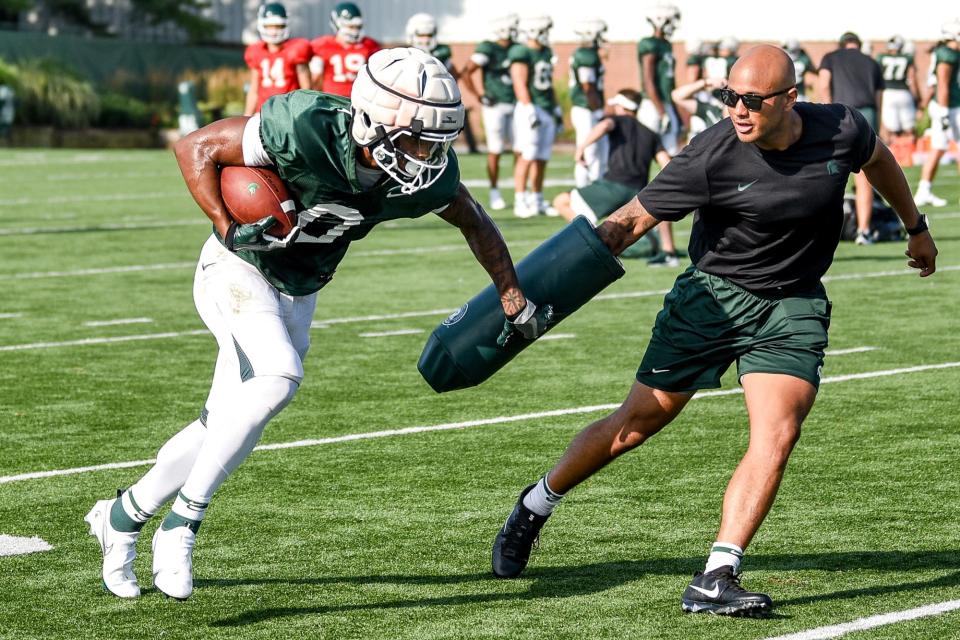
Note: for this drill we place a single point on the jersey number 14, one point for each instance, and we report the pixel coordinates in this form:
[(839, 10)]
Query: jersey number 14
[(272, 75)]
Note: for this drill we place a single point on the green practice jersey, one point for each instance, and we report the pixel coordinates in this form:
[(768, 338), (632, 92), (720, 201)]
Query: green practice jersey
[(895, 67), (585, 66), (497, 84), (801, 65), (540, 63), (948, 56), (663, 65), (442, 53), (307, 134)]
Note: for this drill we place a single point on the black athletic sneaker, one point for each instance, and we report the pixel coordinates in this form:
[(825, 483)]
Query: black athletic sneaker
[(719, 592), (511, 547)]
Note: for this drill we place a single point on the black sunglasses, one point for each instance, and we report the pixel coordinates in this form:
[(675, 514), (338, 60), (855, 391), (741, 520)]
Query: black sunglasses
[(751, 101)]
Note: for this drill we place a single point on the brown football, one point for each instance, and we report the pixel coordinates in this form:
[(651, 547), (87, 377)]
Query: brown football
[(253, 193)]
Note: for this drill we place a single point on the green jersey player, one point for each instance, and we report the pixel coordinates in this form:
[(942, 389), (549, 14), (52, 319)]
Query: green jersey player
[(898, 111), (422, 34), (944, 109), (655, 53), (536, 115), (498, 99), (586, 97), (802, 65), (351, 164)]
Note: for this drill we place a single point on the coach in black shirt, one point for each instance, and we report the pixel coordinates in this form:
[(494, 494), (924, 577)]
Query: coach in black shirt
[(768, 185), (850, 77)]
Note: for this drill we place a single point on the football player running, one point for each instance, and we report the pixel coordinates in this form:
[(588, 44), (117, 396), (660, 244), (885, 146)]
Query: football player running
[(586, 97), (383, 154), (536, 115), (898, 110), (497, 100), (657, 69), (339, 57), (278, 63), (943, 108), (422, 34), (768, 185)]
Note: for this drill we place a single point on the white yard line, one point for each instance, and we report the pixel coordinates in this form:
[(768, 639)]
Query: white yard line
[(17, 546), (89, 341), (862, 624), (558, 336), (107, 197), (462, 425), (323, 324), (10, 316), (386, 334), (843, 352), (133, 268), (118, 321)]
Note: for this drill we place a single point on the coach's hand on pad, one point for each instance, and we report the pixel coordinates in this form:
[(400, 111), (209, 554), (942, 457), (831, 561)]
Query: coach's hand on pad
[(254, 237), (531, 323)]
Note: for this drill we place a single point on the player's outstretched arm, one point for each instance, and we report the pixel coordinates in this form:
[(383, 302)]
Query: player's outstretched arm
[(488, 246), (625, 226), (885, 175), (200, 156)]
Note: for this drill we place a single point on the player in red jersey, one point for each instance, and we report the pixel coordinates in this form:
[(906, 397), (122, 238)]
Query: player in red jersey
[(278, 63), (340, 56)]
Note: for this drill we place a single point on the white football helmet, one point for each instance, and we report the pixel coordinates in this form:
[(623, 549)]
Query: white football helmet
[(273, 14), (590, 30), (535, 27), (665, 17), (504, 27), (895, 43), (347, 22), (422, 32), (407, 111), (950, 30), (792, 46), (729, 44)]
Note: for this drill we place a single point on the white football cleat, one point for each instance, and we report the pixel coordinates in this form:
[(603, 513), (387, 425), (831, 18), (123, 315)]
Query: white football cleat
[(521, 210), (119, 549), (173, 561), (497, 203), (552, 212), (925, 198)]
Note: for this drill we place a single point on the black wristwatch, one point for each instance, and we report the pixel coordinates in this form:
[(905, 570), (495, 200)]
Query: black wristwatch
[(921, 226)]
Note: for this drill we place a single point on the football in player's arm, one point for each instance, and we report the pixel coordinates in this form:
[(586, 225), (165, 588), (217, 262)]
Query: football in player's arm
[(277, 63)]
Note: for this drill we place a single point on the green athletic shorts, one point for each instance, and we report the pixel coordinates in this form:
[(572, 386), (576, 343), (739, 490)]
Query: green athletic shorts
[(604, 196), (707, 323), (870, 114)]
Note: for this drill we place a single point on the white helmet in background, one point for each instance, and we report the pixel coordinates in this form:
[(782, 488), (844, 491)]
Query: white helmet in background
[(422, 32), (895, 43), (504, 27), (792, 46), (950, 30), (693, 46), (407, 111), (730, 44), (536, 28), (665, 17), (590, 30)]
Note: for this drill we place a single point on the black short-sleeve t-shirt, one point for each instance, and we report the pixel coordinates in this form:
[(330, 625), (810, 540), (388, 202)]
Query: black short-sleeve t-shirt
[(768, 221), (855, 77), (632, 148)]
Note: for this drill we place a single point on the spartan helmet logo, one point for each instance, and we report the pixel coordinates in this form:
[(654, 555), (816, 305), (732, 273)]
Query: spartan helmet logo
[(407, 111)]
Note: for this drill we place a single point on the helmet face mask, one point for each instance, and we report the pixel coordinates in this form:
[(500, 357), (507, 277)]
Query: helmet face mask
[(505, 27), (536, 28), (347, 22), (422, 32), (664, 18), (407, 112), (591, 31), (272, 23)]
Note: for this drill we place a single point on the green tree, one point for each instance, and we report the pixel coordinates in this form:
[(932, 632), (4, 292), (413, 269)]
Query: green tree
[(186, 14)]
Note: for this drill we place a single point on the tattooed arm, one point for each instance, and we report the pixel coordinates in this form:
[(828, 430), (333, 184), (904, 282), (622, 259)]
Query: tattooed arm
[(625, 226), (488, 246)]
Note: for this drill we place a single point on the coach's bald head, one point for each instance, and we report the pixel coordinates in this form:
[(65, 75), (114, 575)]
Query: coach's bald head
[(762, 71)]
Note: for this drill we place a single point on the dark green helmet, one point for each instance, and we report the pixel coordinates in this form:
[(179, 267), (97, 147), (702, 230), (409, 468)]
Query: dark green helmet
[(272, 14), (347, 21)]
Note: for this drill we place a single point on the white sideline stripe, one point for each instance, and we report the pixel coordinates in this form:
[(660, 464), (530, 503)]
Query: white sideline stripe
[(32, 275), (549, 182), (557, 336), (17, 546), (110, 197), (10, 316), (119, 321), (862, 624), (843, 352), (881, 274), (323, 324), (127, 226), (384, 334), (89, 341), (460, 425)]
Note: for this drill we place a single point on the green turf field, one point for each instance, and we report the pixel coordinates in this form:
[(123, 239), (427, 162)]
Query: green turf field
[(389, 537)]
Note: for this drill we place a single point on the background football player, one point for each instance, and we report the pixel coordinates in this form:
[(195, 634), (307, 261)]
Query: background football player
[(498, 99), (536, 115), (898, 111), (339, 57), (278, 63), (586, 98), (943, 108), (802, 65), (657, 67), (716, 66), (422, 34), (383, 154)]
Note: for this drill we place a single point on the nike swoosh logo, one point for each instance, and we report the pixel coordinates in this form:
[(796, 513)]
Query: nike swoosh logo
[(713, 593), (744, 187), (659, 370)]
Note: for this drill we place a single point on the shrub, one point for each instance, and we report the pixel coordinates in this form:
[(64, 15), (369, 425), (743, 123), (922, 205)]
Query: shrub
[(121, 111), (51, 93)]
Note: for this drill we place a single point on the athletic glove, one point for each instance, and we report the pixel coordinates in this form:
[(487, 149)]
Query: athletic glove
[(487, 101), (531, 322), (945, 123), (254, 237)]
